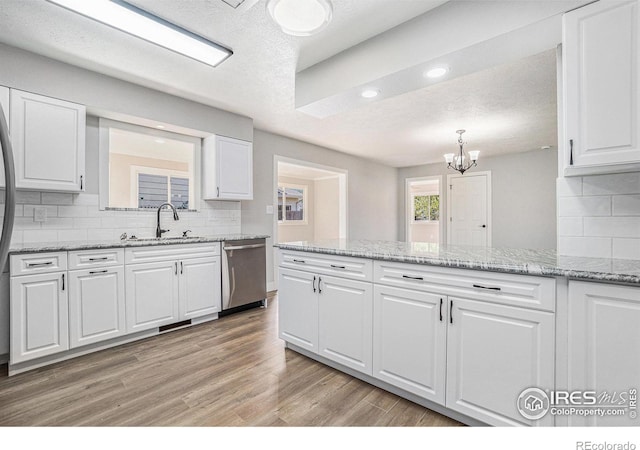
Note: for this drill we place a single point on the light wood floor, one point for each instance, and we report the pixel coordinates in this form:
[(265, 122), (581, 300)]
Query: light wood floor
[(230, 372)]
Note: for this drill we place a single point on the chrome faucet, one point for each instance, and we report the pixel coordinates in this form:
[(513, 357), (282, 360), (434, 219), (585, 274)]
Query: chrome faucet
[(159, 230)]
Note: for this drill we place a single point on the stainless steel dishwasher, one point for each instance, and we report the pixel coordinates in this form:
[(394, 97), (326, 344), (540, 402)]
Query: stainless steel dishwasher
[(244, 278)]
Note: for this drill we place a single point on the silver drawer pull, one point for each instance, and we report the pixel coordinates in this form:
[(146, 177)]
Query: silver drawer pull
[(413, 278), (93, 272), (103, 258), (243, 247), (491, 288), (338, 267), (299, 261), (48, 263)]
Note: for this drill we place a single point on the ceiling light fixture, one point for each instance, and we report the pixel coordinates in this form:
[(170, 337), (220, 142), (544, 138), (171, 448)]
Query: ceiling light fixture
[(436, 72), (136, 22), (457, 162), (369, 93), (300, 17), (160, 127)]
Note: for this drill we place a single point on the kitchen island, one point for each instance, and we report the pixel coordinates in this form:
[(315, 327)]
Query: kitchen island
[(466, 330)]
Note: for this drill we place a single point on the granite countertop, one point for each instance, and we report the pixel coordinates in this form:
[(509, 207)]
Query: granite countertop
[(36, 247), (522, 261)]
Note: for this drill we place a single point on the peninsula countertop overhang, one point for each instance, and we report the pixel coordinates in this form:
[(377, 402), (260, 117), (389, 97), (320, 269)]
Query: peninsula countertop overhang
[(509, 260)]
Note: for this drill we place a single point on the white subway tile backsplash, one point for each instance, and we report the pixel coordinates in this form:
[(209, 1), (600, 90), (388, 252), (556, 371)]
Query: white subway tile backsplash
[(626, 205), (585, 246), (569, 187), (73, 211), (626, 248), (78, 217), (624, 183), (40, 236), (570, 226), (28, 197), (584, 206), (56, 198), (612, 226)]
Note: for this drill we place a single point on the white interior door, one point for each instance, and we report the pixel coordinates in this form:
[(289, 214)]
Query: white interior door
[(469, 209)]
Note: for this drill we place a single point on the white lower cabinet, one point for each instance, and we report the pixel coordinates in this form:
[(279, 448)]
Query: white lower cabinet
[(327, 315), (200, 287), (409, 341), (151, 295), (494, 352), (345, 322), (298, 308), (96, 305), (39, 316), (604, 338)]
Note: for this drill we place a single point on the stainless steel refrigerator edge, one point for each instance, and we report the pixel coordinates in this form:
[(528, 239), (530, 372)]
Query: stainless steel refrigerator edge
[(244, 278), (7, 225)]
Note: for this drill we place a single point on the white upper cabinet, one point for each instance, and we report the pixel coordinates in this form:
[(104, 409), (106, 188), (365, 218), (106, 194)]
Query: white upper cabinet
[(227, 169), (601, 71), (48, 137)]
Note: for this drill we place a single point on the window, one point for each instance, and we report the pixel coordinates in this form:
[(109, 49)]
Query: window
[(291, 204), (141, 168), (426, 208)]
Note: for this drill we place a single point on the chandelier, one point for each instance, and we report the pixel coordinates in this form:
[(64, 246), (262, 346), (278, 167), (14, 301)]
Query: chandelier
[(461, 162)]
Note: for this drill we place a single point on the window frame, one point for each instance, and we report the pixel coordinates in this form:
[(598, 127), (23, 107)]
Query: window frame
[(305, 213), (168, 173), (413, 208), (105, 124)]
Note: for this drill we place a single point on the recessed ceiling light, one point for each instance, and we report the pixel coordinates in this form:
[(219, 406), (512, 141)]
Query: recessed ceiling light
[(136, 22), (369, 93), (436, 72), (300, 17), (161, 127)]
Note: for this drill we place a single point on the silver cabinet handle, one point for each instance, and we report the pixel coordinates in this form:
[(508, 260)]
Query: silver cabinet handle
[(413, 278), (48, 263), (63, 282), (491, 288), (314, 283), (93, 272), (218, 191), (176, 263), (441, 310), (102, 258), (299, 261), (81, 183), (450, 311), (181, 268), (244, 247), (338, 267), (571, 152), (319, 285)]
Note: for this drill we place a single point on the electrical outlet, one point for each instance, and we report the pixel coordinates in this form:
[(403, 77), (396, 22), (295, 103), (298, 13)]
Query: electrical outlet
[(39, 214), (269, 209)]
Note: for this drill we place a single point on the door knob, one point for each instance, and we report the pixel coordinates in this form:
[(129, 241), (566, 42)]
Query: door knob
[(483, 226)]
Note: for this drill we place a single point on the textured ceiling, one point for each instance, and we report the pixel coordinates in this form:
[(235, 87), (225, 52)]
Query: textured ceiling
[(507, 108)]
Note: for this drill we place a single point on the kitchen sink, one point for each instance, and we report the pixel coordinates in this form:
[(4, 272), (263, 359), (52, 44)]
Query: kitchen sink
[(170, 238)]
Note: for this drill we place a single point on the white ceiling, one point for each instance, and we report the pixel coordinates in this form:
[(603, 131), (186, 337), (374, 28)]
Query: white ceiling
[(506, 108)]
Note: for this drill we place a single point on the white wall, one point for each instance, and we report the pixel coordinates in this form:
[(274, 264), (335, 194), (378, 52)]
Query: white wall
[(599, 216), (371, 190), (293, 231), (523, 197), (327, 209)]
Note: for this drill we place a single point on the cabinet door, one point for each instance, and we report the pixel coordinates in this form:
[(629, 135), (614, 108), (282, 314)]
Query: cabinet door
[(96, 305), (601, 65), (39, 316), (200, 287), (48, 136), (151, 295), (298, 308), (494, 352), (409, 341), (604, 338), (346, 322), (234, 162)]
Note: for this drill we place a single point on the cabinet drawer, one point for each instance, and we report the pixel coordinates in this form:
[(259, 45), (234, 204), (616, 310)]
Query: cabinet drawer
[(169, 252), (32, 263), (86, 259), (510, 289), (339, 266)]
